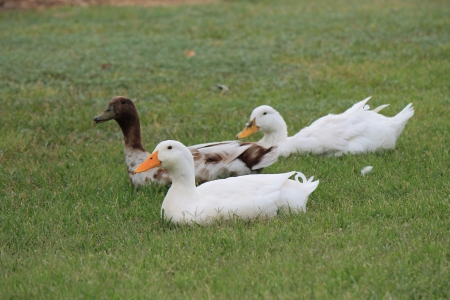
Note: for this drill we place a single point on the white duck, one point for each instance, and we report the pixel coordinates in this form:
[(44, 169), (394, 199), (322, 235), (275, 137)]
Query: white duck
[(212, 160), (246, 197), (357, 130)]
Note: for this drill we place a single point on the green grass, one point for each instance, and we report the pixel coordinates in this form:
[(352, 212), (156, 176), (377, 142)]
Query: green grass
[(71, 226)]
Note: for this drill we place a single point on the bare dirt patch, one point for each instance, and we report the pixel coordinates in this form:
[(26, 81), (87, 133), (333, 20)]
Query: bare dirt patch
[(36, 4)]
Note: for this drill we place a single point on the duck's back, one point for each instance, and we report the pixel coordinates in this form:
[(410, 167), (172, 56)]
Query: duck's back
[(230, 158), (250, 196), (244, 196), (377, 131), (357, 130)]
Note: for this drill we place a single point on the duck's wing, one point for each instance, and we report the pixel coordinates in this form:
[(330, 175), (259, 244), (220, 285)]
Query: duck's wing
[(331, 134), (245, 196), (210, 145), (257, 157), (224, 152), (374, 131), (231, 158), (357, 130)]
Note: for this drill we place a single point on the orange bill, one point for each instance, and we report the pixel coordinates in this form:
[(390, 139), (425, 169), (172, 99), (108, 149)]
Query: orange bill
[(250, 128), (151, 162)]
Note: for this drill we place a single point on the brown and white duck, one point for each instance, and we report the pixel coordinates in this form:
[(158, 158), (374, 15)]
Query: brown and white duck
[(211, 160)]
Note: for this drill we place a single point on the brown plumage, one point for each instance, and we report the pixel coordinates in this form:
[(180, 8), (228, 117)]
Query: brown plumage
[(127, 117), (214, 158), (254, 155), (162, 175)]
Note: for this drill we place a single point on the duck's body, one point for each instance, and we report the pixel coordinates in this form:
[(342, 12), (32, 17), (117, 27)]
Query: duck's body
[(246, 197), (212, 160), (357, 130)]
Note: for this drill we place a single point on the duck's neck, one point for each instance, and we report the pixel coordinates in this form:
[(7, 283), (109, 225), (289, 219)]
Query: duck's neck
[(183, 191), (276, 135), (131, 129)]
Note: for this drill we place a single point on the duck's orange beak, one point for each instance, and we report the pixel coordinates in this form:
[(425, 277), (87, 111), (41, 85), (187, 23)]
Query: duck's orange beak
[(250, 128), (151, 162)]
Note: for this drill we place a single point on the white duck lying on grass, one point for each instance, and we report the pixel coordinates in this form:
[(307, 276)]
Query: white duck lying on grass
[(357, 130), (212, 161), (246, 197)]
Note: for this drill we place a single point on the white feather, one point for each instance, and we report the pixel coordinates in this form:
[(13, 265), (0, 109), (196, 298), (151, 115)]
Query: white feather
[(366, 170)]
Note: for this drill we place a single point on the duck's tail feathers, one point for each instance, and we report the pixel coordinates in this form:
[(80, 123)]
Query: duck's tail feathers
[(399, 120), (361, 104), (309, 183), (379, 108), (358, 106), (405, 114)]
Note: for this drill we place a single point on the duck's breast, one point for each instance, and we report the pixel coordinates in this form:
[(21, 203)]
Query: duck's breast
[(133, 158)]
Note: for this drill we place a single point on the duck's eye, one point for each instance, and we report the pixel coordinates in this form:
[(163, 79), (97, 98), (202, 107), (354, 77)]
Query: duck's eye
[(123, 102), (170, 147), (264, 113)]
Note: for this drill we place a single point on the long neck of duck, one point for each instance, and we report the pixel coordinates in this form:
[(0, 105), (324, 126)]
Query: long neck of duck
[(274, 136), (183, 180), (131, 129)]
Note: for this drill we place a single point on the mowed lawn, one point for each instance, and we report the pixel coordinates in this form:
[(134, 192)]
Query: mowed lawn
[(72, 226)]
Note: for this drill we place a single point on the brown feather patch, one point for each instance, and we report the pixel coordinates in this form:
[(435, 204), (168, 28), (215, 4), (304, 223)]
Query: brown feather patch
[(196, 154), (253, 155), (162, 174), (213, 158)]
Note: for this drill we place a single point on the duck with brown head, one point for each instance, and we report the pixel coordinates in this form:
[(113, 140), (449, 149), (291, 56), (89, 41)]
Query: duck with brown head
[(211, 160), (123, 111)]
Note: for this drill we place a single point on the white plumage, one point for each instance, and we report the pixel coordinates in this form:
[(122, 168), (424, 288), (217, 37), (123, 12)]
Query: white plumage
[(246, 197), (366, 170), (357, 130)]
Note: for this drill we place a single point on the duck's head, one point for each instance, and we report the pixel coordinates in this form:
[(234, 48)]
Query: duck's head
[(168, 155), (265, 119), (120, 109)]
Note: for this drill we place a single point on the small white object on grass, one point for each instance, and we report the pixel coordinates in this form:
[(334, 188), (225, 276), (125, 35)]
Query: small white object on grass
[(221, 87), (366, 170)]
